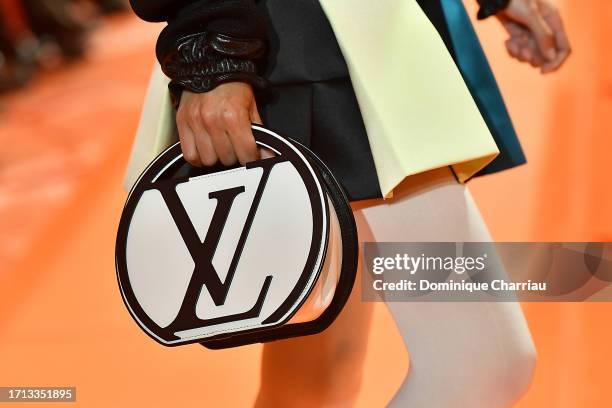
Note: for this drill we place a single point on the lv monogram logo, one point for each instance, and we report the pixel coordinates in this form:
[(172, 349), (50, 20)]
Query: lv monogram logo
[(202, 253)]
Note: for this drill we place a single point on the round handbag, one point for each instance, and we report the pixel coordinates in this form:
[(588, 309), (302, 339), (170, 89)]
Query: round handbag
[(227, 256)]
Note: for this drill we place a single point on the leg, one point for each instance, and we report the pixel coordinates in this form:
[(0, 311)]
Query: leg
[(323, 370), (464, 354), (461, 354)]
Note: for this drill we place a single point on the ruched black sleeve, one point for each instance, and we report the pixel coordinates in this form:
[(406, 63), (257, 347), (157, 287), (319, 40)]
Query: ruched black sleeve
[(489, 8), (207, 42)]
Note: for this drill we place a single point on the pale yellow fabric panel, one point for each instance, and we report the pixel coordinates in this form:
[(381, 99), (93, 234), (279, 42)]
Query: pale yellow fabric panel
[(418, 112), (156, 130)]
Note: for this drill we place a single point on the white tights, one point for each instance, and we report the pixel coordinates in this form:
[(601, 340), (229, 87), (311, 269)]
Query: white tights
[(462, 354)]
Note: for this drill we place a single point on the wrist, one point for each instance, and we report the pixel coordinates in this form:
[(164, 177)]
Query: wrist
[(200, 62)]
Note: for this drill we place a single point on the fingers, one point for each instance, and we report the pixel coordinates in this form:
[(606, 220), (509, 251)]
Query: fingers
[(254, 113), (521, 44), (216, 125), (537, 35), (513, 48), (206, 153), (519, 39), (264, 153), (525, 51), (238, 125), (543, 35), (564, 50), (188, 145)]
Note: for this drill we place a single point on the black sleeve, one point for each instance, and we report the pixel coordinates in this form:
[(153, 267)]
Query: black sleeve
[(489, 8), (207, 42)]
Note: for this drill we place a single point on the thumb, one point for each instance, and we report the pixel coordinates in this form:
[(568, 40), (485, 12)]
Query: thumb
[(543, 36)]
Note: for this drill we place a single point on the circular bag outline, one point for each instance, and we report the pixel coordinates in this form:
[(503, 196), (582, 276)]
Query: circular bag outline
[(308, 277)]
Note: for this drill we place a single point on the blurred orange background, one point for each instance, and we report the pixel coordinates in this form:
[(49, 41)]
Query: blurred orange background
[(65, 141)]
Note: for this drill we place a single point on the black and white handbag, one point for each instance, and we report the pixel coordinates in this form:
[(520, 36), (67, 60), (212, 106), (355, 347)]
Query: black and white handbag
[(239, 255)]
